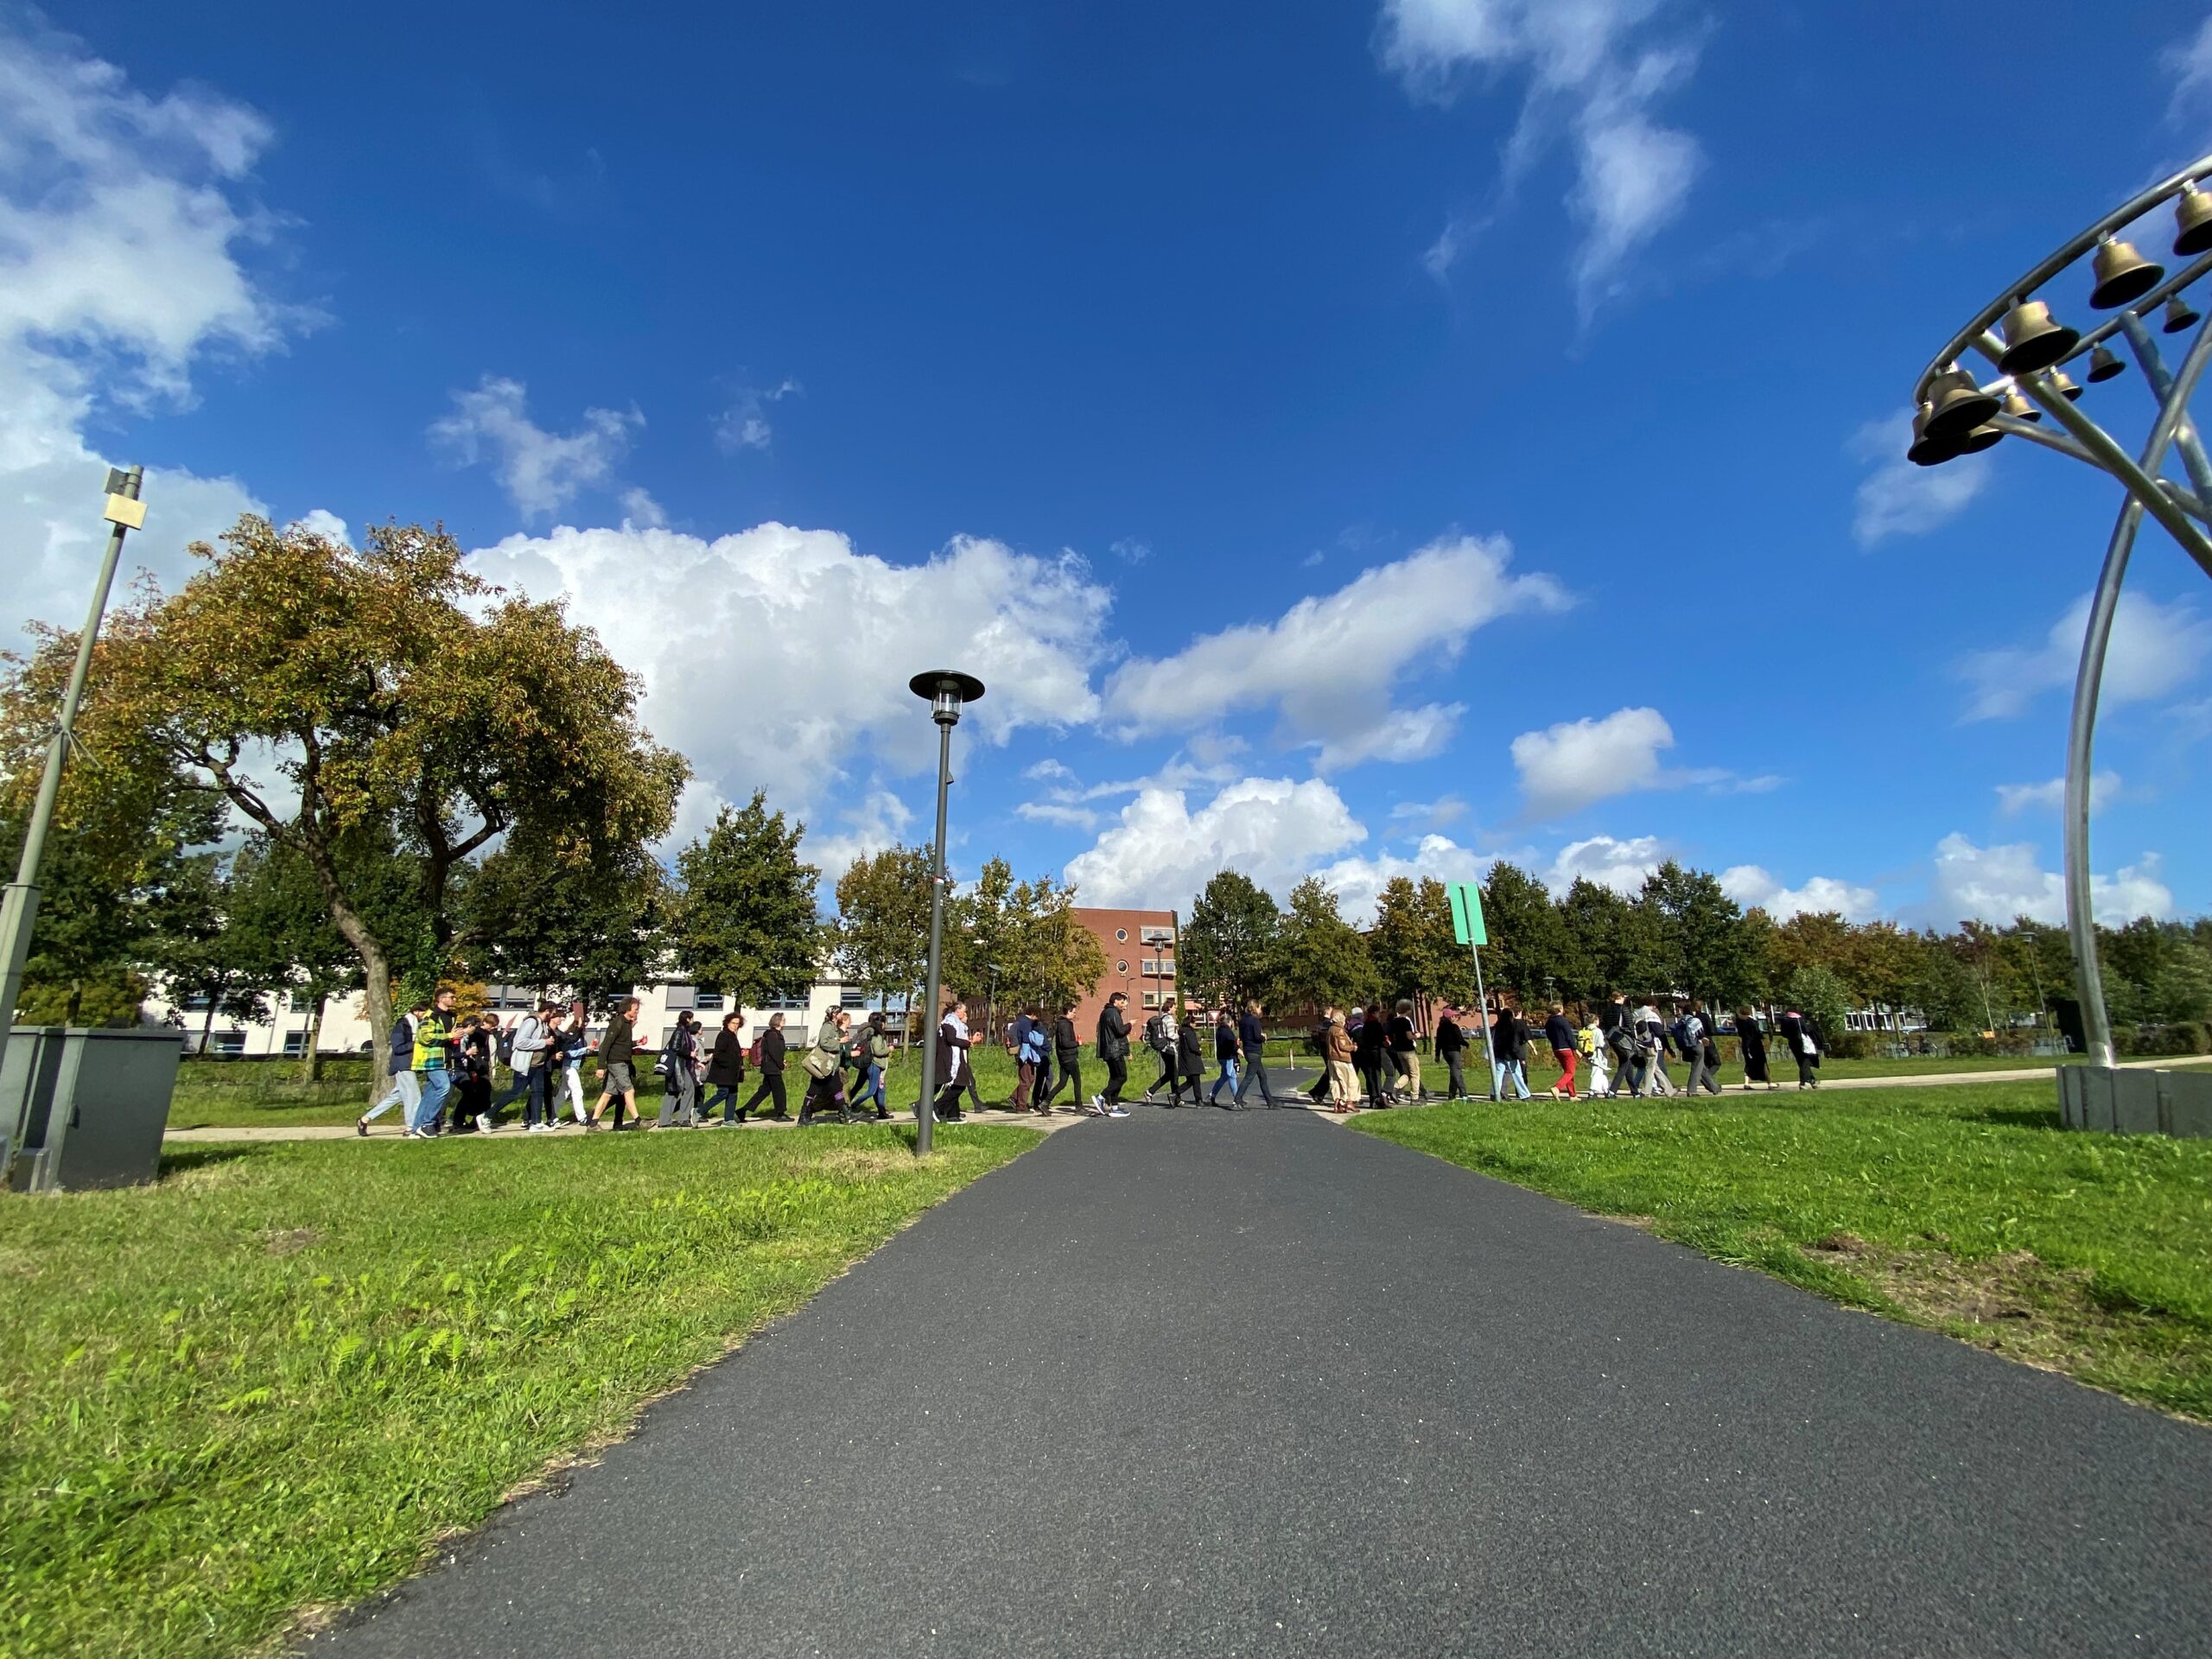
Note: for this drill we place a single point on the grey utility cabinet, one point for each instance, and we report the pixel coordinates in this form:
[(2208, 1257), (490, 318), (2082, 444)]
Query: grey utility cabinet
[(2135, 1100), (85, 1109)]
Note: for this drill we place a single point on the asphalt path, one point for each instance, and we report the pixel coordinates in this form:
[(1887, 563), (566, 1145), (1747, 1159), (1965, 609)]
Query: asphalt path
[(1204, 1383)]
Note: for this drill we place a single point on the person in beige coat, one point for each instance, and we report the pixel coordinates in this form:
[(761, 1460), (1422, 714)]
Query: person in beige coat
[(1344, 1082)]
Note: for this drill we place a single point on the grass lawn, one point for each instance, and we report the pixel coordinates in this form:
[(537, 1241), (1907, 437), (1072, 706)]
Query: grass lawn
[(1965, 1208), (268, 1382)]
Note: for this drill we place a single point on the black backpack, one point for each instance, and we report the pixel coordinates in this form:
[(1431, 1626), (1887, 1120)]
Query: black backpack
[(507, 1046)]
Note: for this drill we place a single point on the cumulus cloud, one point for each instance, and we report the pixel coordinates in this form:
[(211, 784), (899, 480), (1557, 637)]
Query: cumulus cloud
[(1328, 665), (744, 424), (125, 229), (2189, 62), (2154, 651), (1358, 882), (328, 524), (1898, 499), (1995, 884), (787, 660), (1620, 865), (1586, 78), (1750, 884), (879, 821), (1564, 767), (1429, 816), (1161, 852), (541, 471), (2013, 798)]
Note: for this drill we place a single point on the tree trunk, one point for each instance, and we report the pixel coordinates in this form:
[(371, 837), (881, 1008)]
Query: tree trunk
[(71, 1009), (311, 1062), (207, 1024)]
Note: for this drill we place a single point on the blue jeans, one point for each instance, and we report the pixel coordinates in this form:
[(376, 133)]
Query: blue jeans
[(1500, 1070), (1226, 1080), (437, 1085), (406, 1092), (868, 1085)]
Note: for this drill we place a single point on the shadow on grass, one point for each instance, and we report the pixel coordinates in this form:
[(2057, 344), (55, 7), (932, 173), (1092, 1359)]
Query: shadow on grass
[(183, 1160)]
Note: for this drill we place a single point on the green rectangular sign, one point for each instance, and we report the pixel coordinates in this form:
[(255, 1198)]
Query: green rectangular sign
[(1467, 913)]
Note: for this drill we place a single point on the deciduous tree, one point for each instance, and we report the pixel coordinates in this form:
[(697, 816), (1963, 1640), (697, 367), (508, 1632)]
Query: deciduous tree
[(1228, 942), (742, 920)]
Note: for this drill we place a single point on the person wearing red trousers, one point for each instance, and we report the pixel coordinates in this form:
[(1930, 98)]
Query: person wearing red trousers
[(1560, 1035)]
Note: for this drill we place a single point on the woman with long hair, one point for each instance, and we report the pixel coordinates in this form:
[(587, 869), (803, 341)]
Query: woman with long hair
[(725, 1070), (680, 1075), (871, 1053)]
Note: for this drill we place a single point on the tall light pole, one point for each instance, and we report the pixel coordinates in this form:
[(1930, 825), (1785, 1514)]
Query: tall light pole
[(945, 691), (19, 914), (1956, 414)]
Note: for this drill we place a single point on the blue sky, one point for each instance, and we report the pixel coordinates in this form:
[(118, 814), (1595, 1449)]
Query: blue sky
[(1363, 438)]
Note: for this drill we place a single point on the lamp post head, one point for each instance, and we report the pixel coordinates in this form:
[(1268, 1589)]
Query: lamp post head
[(945, 690)]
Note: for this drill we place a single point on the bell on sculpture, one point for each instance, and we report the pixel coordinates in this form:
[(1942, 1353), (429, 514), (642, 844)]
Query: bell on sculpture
[(2032, 340), (1928, 451), (2019, 408), (2103, 365), (2122, 274), (2063, 384), (2193, 216), (2178, 315), (1961, 405), (1979, 439)]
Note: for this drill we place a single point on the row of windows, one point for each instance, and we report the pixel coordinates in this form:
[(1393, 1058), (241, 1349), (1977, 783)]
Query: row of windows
[(229, 1044), (1152, 967), (1145, 935)]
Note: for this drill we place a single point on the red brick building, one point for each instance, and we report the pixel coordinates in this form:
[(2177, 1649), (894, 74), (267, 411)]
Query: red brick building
[(1140, 947)]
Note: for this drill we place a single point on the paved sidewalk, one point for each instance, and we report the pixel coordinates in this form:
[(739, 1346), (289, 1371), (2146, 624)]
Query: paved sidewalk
[(1198, 1383)]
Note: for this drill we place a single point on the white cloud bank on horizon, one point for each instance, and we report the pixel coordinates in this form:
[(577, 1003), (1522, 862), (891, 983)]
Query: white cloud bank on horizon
[(2154, 651), (1750, 886), (1995, 884)]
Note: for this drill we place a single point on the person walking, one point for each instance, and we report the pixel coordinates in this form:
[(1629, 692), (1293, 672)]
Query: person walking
[(871, 1053), (1451, 1048), (566, 1056), (1658, 1049), (1022, 1043), (725, 1069), (952, 1042), (475, 1045), (1803, 1038), (533, 1053), (1162, 1037), (433, 1064), (1344, 1087), (1067, 1054), (679, 1073), (774, 1047), (1371, 1039), (1190, 1062), (1618, 1027), (1252, 1042), (824, 1065), (1225, 1048), (1560, 1035), (618, 1057), (406, 1090), (1114, 1050), (1752, 1041), (1319, 1042), (1704, 1050), (1590, 1041), (1509, 1037), (1405, 1050)]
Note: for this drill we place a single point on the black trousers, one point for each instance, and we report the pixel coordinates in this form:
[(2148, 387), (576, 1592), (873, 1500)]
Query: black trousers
[(1071, 1077), (947, 1103), (1117, 1078), (772, 1084), (1169, 1074)]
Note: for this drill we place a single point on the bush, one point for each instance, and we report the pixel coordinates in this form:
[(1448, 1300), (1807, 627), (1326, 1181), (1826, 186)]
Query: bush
[(2186, 1037)]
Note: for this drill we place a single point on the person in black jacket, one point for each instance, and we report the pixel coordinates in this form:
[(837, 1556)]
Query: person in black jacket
[(1617, 1028), (1803, 1038), (1067, 1049), (1190, 1062), (618, 1054), (1507, 1037), (1405, 1048), (1226, 1049), (952, 1064), (725, 1070), (1451, 1045), (1252, 1042), (1369, 1044), (1558, 1037), (1753, 1041), (772, 1049), (1161, 1037), (1114, 1050)]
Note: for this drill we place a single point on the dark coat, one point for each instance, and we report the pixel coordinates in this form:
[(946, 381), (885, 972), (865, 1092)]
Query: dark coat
[(1224, 1039), (726, 1065), (1065, 1043), (1112, 1035), (1192, 1044), (1450, 1039), (773, 1047)]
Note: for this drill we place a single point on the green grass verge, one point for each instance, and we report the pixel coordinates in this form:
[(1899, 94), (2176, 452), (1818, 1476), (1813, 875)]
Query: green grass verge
[(1965, 1208), (269, 1381)]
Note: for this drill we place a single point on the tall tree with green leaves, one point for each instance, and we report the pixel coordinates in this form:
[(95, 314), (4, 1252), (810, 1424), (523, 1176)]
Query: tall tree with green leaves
[(742, 920), (1055, 961), (594, 924), (1227, 948), (1702, 931), (1526, 954), (1321, 959), (882, 930)]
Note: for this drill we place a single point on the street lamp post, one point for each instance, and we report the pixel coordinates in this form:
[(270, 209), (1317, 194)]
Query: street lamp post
[(19, 914), (1956, 414), (945, 691)]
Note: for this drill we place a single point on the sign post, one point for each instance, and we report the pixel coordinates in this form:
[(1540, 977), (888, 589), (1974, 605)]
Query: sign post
[(1467, 928)]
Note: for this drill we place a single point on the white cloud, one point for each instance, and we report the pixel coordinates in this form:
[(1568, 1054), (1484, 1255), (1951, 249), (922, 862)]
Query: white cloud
[(124, 224), (1430, 815), (2154, 651), (541, 471), (1358, 882), (1567, 766), (1995, 884), (2189, 62), (745, 423), (1161, 853), (1898, 497), (1584, 78), (321, 521), (879, 821), (641, 512), (775, 655), (1750, 884), (2012, 798), (1328, 664), (1130, 551), (1620, 865), (1058, 812), (1047, 771)]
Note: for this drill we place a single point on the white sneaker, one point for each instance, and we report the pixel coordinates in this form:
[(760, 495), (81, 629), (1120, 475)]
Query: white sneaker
[(483, 1122), (1117, 1111)]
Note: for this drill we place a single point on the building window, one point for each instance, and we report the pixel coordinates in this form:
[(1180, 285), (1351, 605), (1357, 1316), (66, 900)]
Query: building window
[(296, 1042), (1152, 999), (678, 997), (708, 1002), (1159, 934), (1121, 967), (196, 1003), (1121, 936), (227, 1044), (852, 996), (784, 1002)]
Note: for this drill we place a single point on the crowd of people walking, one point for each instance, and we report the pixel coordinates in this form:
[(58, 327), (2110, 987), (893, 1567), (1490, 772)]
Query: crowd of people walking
[(444, 1069)]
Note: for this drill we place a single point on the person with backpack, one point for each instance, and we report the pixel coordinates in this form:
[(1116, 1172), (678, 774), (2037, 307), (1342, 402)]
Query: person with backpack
[(1508, 1038), (1160, 1037), (1067, 1053), (1803, 1038), (1114, 1050), (1190, 1061), (574, 1043), (618, 1053), (1370, 1040), (1560, 1035), (522, 1046), (1030, 1043), (1703, 1049), (1618, 1025), (475, 1045), (679, 1074), (871, 1053), (1225, 1050), (1653, 1041), (824, 1065), (952, 1063), (774, 1047), (406, 1090), (1451, 1048), (725, 1070)]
